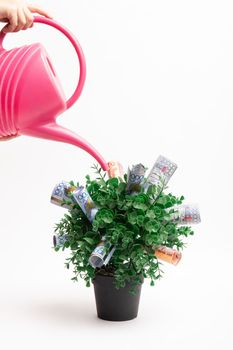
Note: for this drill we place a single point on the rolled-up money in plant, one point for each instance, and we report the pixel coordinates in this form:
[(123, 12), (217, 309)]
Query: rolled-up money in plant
[(115, 169), (85, 202), (110, 254), (101, 255), (161, 172), (169, 255), (60, 194), (59, 241), (135, 178), (186, 214)]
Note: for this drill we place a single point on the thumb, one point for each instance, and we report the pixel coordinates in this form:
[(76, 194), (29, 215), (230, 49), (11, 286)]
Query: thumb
[(39, 10)]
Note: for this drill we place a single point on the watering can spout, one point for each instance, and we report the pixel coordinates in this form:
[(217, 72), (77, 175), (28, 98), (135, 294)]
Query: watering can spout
[(56, 132)]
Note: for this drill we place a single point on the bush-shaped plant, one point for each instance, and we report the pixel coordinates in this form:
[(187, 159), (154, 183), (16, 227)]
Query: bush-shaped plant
[(135, 224)]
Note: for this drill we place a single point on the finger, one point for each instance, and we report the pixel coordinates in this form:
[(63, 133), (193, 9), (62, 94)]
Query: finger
[(13, 22), (21, 20), (39, 10), (4, 20), (29, 18)]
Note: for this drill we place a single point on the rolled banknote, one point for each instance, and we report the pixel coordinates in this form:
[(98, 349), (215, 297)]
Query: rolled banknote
[(186, 214), (60, 193), (169, 255), (59, 241), (135, 178), (161, 172), (115, 169), (101, 255), (110, 254), (82, 197)]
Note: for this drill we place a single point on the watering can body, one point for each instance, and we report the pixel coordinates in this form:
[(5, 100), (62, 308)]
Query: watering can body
[(31, 95)]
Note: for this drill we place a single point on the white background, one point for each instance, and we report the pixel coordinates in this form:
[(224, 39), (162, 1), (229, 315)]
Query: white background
[(160, 81)]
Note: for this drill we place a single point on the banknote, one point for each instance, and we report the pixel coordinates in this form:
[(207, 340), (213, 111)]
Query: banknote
[(101, 255), (135, 178), (161, 172), (60, 194), (115, 169), (186, 214), (169, 255), (59, 241), (85, 202)]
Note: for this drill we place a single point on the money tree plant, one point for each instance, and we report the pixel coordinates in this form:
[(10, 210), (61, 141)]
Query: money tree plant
[(136, 224)]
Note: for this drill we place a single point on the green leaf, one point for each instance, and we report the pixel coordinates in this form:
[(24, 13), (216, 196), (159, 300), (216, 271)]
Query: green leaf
[(152, 226), (140, 220), (132, 217), (113, 182), (89, 240), (150, 214)]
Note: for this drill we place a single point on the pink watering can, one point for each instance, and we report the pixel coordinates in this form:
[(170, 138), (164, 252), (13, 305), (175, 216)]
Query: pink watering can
[(31, 95)]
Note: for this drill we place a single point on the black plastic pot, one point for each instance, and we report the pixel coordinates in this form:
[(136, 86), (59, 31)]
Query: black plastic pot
[(115, 304)]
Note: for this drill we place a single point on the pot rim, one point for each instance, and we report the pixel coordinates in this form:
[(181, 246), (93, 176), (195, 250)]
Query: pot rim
[(109, 276)]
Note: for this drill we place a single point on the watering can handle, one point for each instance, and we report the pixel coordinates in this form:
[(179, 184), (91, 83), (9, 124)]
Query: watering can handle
[(77, 47)]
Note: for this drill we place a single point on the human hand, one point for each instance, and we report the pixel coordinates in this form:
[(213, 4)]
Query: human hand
[(18, 15)]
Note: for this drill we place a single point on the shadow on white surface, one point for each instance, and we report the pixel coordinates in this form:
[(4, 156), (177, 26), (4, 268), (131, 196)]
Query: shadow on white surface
[(69, 313)]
